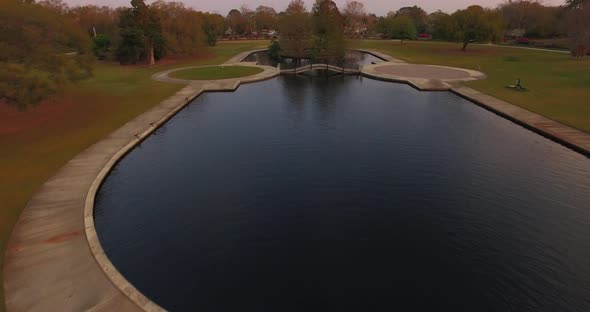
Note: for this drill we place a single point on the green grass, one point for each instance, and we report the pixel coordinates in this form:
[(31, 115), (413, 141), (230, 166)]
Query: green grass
[(215, 72), (92, 109), (559, 85)]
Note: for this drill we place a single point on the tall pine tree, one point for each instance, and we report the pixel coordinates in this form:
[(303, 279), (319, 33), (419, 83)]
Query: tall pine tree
[(141, 35)]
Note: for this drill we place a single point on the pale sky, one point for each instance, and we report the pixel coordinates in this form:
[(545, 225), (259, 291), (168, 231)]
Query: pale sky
[(379, 7)]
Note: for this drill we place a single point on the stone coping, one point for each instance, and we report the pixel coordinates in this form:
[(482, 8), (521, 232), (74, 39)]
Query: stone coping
[(165, 75), (572, 138), (54, 260)]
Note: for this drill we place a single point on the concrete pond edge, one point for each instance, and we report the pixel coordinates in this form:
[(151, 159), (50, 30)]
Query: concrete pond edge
[(27, 280), (450, 85), (228, 85), (52, 255)]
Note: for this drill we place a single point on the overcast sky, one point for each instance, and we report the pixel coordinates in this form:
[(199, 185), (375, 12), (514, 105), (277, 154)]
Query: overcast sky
[(379, 7)]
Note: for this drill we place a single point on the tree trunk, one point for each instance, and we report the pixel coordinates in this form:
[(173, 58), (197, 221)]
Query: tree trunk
[(150, 57), (464, 48)]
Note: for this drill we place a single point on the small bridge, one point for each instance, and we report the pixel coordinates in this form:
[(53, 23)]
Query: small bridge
[(334, 68)]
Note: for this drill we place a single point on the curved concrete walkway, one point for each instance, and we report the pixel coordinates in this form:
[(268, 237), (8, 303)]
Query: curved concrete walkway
[(54, 261), (421, 77)]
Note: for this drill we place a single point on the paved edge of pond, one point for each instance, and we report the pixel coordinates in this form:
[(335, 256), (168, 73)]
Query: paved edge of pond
[(54, 260), (572, 138)]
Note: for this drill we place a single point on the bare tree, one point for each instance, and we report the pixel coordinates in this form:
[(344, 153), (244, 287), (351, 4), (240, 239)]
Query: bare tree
[(355, 18), (265, 18)]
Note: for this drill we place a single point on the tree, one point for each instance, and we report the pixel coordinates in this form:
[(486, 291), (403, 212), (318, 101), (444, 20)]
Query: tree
[(101, 46), (265, 18), (140, 23), (248, 20), (576, 4), (296, 31), (476, 24), (274, 51), (132, 46), (418, 16), (578, 27), (399, 27), (328, 29), (370, 22), (214, 27), (41, 51), (94, 19), (236, 22), (355, 18), (442, 26), (530, 17), (181, 27)]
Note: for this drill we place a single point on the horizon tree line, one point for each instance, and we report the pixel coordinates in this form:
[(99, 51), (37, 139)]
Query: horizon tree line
[(46, 45)]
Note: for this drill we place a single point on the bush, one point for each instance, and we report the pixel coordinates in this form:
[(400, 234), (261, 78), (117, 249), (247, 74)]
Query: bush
[(101, 47), (274, 51)]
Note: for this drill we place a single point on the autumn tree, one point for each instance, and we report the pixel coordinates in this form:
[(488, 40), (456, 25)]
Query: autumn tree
[(475, 24), (531, 16), (181, 27), (296, 31), (577, 23), (96, 20), (370, 22), (213, 26), (328, 30), (41, 51), (248, 19), (236, 22), (100, 23), (355, 18), (265, 18)]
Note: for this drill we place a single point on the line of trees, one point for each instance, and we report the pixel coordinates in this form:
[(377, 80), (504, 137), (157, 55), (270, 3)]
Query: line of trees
[(318, 34), (41, 50), (45, 44)]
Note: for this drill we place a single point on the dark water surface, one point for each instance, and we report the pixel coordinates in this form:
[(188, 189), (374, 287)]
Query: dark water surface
[(349, 194)]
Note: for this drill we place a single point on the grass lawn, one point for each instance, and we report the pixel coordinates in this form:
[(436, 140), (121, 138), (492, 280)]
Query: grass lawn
[(215, 72), (36, 143), (559, 85)]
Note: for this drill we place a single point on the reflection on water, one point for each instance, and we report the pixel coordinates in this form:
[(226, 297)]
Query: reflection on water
[(351, 58), (348, 194)]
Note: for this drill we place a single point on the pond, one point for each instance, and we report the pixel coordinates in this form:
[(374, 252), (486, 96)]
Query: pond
[(350, 59), (348, 194)]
